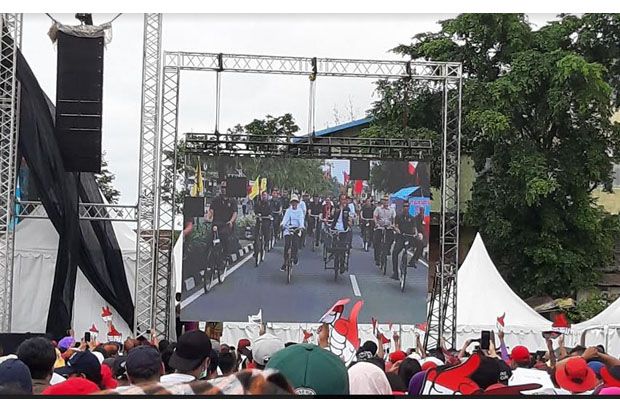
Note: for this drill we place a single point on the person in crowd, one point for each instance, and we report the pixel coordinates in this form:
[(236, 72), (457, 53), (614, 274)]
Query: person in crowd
[(405, 231), (368, 378), (144, 366), (294, 217), (39, 355), (223, 214), (384, 217), (119, 370), (75, 386), (277, 210), (83, 364), (244, 354), (190, 358), (227, 363), (366, 216), (419, 240), (265, 346), (213, 364), (311, 370), (574, 375), (314, 212), (15, 377), (408, 368)]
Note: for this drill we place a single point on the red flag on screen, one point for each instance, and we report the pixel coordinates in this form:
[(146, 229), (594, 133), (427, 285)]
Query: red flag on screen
[(359, 186), (421, 326), (412, 167)]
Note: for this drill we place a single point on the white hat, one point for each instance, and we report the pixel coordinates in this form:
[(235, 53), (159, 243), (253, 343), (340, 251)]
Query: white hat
[(264, 347), (294, 198)]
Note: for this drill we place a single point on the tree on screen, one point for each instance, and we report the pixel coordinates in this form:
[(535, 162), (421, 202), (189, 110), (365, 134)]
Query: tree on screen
[(536, 121), (105, 180)]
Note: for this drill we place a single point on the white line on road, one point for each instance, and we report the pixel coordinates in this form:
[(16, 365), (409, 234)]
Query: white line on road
[(356, 288), (200, 292)]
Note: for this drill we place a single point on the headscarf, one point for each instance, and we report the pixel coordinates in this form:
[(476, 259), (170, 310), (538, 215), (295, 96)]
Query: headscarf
[(367, 378)]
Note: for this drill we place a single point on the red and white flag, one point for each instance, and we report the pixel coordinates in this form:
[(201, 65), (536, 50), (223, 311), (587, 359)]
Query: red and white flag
[(412, 167), (500, 322)]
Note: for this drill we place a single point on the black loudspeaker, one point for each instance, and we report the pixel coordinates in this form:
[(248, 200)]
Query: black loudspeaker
[(11, 341), (194, 206), (236, 187), (359, 170), (79, 91)]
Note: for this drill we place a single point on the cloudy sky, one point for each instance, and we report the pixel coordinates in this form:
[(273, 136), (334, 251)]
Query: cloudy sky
[(244, 96)]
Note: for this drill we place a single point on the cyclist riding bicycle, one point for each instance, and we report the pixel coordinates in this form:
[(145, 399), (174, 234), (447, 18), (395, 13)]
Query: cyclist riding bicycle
[(405, 230), (420, 240), (223, 213), (314, 211), (263, 217), (367, 216), (384, 218), (276, 209), (341, 220), (293, 219)]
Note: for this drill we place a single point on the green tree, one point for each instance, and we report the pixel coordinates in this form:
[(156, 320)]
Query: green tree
[(536, 121), (105, 180)]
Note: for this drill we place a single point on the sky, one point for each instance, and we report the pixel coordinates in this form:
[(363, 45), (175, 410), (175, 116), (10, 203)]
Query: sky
[(244, 96)]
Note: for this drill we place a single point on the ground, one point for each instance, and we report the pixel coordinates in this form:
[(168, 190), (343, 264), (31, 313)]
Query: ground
[(312, 291)]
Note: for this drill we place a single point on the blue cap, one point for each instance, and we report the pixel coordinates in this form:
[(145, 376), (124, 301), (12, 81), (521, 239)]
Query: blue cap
[(596, 366), (14, 374)]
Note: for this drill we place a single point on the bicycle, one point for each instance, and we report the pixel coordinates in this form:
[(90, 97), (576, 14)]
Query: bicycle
[(404, 261), (260, 246), (277, 219), (340, 249), (295, 233), (215, 260), (366, 232), (316, 228), (383, 252), (324, 238)]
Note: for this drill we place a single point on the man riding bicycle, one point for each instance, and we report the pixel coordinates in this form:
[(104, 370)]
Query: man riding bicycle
[(420, 240), (384, 219), (367, 216), (223, 213), (293, 219), (276, 209), (405, 230), (314, 211), (263, 217), (341, 220)]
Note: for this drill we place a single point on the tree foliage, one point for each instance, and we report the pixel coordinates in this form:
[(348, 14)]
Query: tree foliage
[(105, 180), (536, 121)]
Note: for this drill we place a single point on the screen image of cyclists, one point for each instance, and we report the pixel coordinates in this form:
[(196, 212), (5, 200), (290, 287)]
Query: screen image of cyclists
[(288, 237)]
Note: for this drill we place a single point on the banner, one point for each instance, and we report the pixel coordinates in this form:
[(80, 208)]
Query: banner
[(263, 185), (255, 188), (198, 187)]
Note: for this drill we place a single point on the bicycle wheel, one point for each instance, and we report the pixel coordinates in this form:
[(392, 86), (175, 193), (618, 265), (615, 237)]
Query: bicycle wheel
[(289, 270), (336, 265), (384, 262), (402, 275), (208, 278)]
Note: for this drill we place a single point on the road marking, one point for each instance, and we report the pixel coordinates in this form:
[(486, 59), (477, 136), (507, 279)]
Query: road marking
[(356, 288), (229, 271)]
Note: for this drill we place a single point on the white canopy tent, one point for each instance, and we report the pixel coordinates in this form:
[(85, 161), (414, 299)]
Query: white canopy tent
[(36, 243), (603, 328), (483, 296)]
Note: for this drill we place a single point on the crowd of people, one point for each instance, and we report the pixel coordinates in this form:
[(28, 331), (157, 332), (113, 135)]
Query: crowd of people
[(199, 365)]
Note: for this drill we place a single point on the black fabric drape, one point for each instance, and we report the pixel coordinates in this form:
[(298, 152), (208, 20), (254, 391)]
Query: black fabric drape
[(91, 245)]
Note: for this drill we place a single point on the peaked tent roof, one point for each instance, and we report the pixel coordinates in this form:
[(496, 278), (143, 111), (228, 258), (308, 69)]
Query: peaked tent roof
[(609, 316), (483, 295)]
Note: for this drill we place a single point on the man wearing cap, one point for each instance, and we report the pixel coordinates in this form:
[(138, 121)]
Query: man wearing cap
[(143, 366), (82, 364), (311, 370), (223, 213), (264, 348), (244, 354), (15, 377), (190, 358), (405, 231), (294, 217), (341, 219), (384, 217)]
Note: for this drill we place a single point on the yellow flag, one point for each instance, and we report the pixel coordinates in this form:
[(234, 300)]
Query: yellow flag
[(198, 187), (255, 189), (263, 185)]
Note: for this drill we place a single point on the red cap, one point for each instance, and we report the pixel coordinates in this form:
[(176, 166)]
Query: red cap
[(575, 375), (72, 387), (243, 343), (397, 356), (429, 365), (106, 377), (520, 354)]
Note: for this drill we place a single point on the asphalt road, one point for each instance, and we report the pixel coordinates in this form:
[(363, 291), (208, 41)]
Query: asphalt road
[(312, 290)]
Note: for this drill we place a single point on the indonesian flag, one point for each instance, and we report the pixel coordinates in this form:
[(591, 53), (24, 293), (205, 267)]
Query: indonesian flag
[(561, 324), (500, 322), (114, 334), (359, 186), (412, 167), (93, 331), (346, 177), (307, 335), (421, 326), (453, 381)]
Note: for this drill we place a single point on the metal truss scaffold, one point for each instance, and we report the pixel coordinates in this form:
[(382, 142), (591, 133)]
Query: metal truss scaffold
[(146, 262), (446, 76), (10, 40), (88, 211)]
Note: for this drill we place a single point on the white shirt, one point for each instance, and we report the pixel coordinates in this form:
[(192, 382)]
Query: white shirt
[(293, 218), (339, 222), (175, 378), (302, 205)]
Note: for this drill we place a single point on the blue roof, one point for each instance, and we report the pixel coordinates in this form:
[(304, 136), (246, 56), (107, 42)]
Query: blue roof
[(337, 128), (405, 193)]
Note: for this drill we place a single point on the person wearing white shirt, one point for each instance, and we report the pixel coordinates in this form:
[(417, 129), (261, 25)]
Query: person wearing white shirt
[(294, 217)]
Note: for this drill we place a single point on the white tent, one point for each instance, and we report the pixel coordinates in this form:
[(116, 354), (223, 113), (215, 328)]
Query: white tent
[(483, 296), (36, 243), (603, 328)]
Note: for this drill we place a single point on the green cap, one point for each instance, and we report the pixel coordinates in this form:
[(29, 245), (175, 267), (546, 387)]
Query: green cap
[(311, 370)]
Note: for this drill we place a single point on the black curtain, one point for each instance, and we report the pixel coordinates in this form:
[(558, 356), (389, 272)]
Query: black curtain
[(91, 245)]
